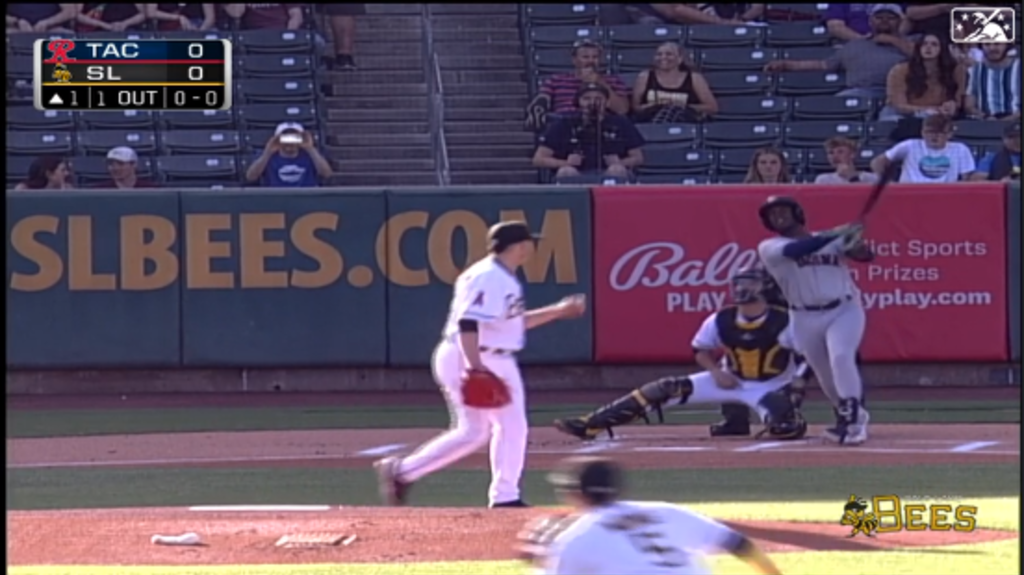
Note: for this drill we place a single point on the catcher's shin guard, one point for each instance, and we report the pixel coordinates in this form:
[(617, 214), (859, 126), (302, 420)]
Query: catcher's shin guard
[(736, 422), (629, 408), (784, 420)]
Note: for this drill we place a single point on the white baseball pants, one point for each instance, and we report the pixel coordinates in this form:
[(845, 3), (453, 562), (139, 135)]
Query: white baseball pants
[(506, 428), (706, 391)]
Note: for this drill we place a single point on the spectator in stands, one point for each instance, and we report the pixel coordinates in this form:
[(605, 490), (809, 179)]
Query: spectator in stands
[(852, 21), (768, 166), (182, 16), (707, 13), (866, 61), (41, 17), (289, 160), (1002, 165), (122, 162), (932, 158), (266, 16), (672, 91), (930, 18), (590, 141), (842, 155), (341, 16), (994, 85), (931, 82), (587, 57), (47, 173), (110, 17)]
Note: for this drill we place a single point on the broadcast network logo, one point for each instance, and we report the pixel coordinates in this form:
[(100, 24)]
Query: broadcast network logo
[(975, 24)]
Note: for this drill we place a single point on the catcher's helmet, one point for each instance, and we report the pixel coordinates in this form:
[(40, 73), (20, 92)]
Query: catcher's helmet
[(596, 478), (745, 293), (775, 201)]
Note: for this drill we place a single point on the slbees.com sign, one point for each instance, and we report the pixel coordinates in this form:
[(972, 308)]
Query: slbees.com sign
[(663, 257)]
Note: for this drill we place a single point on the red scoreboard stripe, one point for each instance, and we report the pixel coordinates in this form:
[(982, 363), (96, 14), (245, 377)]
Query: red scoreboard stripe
[(122, 61)]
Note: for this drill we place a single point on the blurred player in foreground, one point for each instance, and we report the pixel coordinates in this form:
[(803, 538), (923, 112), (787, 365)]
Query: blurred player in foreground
[(606, 535)]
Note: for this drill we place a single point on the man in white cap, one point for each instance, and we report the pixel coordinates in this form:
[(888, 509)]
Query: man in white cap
[(289, 160), (121, 163)]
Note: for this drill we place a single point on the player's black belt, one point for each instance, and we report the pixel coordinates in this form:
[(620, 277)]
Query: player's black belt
[(497, 351), (823, 307)]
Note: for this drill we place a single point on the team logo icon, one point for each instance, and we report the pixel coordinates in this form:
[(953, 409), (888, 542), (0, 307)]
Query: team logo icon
[(857, 517), (61, 73), (974, 24)]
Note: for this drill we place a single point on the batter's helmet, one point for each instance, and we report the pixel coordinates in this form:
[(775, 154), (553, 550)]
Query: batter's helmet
[(775, 201), (745, 294), (597, 479)]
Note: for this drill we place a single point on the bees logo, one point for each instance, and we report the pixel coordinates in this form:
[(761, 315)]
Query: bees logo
[(61, 73)]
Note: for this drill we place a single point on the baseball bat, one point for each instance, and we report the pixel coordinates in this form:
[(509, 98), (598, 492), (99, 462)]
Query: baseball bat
[(890, 174)]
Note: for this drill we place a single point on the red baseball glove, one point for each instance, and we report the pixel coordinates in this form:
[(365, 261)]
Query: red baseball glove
[(483, 389)]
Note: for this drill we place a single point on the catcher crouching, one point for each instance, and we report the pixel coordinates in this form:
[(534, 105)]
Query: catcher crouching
[(757, 370)]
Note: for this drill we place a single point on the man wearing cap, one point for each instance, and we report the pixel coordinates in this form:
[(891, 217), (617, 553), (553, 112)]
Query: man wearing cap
[(1002, 165), (866, 61), (591, 140), (608, 535), (486, 328), (289, 160), (121, 163)]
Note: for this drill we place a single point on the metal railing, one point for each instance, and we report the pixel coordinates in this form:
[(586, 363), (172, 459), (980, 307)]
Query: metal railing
[(435, 85)]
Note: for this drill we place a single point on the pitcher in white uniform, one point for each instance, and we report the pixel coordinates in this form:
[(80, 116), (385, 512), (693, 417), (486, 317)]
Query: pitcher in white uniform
[(609, 536), (486, 328), (825, 305)]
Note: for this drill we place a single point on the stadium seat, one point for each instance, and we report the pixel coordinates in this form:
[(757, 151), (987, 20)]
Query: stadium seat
[(195, 34), (91, 169), (807, 53), (810, 83), (198, 120), (676, 179), (551, 61), (629, 79), (116, 120), (634, 60), (274, 91), (731, 178), (795, 34), (979, 132), (39, 143), (175, 142), (270, 115), (591, 180), (817, 158), (850, 108), (295, 66), (741, 134), (813, 133), (207, 185), (99, 142), (718, 59), (17, 169), (20, 68), (562, 37), (643, 36), (879, 132), (779, 13), (669, 134), (739, 83), (561, 14), (208, 168), (713, 36), (755, 108), (26, 118), (275, 42), (23, 43), (677, 161)]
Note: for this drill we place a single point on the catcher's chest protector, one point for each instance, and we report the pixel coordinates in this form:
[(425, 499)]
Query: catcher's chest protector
[(753, 349)]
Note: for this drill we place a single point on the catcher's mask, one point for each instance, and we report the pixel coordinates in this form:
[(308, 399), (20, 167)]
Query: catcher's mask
[(597, 479), (748, 285), (781, 224)]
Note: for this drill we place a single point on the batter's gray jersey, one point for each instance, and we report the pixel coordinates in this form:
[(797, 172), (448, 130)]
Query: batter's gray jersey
[(813, 280)]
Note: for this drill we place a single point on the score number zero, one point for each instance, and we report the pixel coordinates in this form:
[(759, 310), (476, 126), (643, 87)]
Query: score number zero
[(150, 98)]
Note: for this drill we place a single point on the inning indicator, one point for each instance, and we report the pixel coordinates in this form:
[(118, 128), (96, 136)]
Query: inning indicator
[(132, 74)]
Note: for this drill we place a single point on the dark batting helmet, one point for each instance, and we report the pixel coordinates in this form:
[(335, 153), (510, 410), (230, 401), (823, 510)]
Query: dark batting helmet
[(775, 201), (745, 293)]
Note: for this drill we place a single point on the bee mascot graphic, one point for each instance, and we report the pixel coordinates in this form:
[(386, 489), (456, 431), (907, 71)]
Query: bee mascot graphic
[(858, 518), (61, 73)]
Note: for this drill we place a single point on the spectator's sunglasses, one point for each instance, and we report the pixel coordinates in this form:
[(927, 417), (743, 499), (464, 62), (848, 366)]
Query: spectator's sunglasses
[(584, 43)]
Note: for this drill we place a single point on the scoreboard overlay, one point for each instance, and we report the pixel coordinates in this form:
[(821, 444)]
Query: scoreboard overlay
[(158, 75)]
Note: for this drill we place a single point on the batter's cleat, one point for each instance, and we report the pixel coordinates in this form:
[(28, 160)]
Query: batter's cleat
[(729, 428), (392, 490), (577, 428), (858, 432), (851, 426), (518, 503)]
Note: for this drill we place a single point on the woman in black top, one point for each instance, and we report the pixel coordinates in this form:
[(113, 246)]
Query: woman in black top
[(182, 16), (671, 91), (112, 17)]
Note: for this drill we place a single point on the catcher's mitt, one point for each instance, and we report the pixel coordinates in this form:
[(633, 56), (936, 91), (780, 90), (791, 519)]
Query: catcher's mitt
[(484, 389)]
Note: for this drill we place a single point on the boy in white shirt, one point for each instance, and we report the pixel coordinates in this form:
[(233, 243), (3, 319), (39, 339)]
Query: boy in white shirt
[(930, 159)]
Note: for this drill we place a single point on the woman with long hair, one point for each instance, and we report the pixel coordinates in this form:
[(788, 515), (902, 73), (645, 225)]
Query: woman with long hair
[(47, 173), (931, 82), (768, 166), (672, 91)]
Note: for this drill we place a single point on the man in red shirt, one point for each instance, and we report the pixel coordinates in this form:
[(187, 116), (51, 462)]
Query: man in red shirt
[(266, 16), (121, 163)]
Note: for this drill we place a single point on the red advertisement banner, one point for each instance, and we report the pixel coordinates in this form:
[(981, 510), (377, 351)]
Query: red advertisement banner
[(935, 292)]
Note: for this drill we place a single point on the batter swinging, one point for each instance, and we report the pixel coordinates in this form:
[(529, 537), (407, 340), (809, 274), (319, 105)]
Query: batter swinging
[(825, 306)]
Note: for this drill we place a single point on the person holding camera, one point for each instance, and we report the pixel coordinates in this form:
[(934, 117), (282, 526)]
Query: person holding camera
[(590, 141), (289, 160)]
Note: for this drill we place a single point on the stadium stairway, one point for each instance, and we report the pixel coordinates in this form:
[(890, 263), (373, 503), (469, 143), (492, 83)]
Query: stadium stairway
[(483, 76), (378, 118)]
